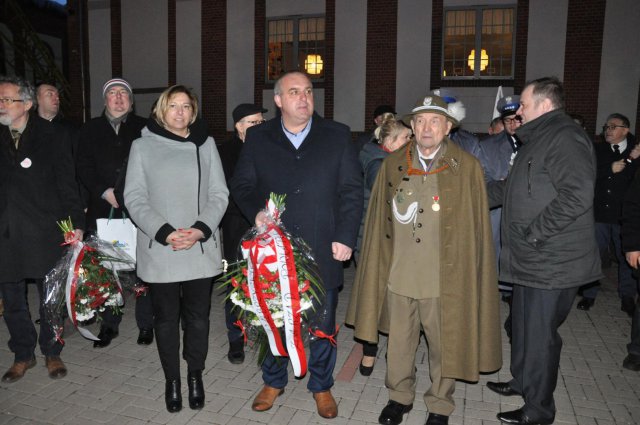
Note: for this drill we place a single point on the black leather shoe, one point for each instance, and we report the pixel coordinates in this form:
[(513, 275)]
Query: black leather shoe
[(628, 305), (236, 352), (173, 396), (518, 417), (196, 390), (435, 419), (631, 362), (105, 336), (502, 388), (392, 413), (145, 337), (585, 304)]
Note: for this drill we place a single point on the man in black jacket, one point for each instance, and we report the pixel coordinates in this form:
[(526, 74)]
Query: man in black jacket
[(37, 189), (234, 223), (313, 161), (548, 243), (103, 147), (631, 246), (617, 164)]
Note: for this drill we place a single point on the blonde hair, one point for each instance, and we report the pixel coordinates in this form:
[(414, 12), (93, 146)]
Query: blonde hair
[(389, 127), (162, 104)]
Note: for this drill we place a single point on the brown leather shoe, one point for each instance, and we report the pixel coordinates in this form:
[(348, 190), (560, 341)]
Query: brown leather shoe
[(327, 407), (17, 370), (265, 398), (56, 367)]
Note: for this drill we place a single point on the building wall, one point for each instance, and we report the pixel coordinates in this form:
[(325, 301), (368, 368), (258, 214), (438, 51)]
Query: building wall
[(219, 51), (145, 36), (350, 63), (413, 60), (99, 45), (547, 36), (188, 54), (620, 67), (240, 60)]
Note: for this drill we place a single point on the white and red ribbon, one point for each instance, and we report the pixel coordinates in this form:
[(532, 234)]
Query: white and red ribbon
[(268, 253), (79, 250)]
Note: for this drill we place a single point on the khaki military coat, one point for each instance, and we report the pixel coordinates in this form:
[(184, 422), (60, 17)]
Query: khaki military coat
[(468, 283)]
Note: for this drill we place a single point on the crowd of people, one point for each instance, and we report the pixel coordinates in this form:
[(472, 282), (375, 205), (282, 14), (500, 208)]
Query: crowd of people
[(437, 222)]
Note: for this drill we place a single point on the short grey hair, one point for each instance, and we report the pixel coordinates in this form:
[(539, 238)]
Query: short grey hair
[(25, 88)]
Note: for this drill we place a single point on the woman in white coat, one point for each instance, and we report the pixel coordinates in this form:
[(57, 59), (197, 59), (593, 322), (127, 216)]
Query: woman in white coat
[(176, 194)]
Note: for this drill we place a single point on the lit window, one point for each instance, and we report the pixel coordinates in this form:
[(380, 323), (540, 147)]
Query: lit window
[(478, 43), (295, 43)]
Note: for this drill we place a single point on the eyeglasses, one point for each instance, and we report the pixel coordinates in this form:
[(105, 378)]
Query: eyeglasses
[(256, 122), (511, 120), (612, 127), (9, 101)]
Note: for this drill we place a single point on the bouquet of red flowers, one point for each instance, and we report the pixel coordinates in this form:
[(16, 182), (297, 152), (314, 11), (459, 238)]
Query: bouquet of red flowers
[(84, 282), (274, 286)]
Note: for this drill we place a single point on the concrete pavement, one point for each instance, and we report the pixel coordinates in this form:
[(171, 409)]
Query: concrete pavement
[(124, 384)]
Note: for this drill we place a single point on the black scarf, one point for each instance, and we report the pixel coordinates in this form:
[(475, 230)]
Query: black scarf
[(198, 132)]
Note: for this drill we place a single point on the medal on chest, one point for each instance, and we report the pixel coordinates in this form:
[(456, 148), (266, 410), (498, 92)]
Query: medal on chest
[(436, 203)]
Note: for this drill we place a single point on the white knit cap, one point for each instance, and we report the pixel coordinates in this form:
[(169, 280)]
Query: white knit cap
[(117, 82)]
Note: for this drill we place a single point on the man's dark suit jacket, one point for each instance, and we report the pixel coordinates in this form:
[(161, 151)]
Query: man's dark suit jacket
[(322, 180)]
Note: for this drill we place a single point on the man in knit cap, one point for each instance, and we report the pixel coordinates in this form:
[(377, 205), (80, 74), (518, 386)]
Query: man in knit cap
[(103, 148)]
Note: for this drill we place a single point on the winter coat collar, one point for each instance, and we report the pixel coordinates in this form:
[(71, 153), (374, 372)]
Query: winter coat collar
[(526, 131), (197, 132)]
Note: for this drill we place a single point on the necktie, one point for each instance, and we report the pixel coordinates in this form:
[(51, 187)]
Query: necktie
[(616, 149), (15, 134)]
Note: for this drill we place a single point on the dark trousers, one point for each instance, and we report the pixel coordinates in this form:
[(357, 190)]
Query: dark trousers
[(536, 346), (627, 284), (634, 346), (143, 311), (191, 302), (22, 332), (322, 358)]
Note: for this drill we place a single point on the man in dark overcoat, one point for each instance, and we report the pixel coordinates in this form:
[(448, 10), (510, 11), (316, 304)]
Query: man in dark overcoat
[(103, 147), (37, 189), (617, 162), (313, 162), (234, 223), (631, 246), (548, 243)]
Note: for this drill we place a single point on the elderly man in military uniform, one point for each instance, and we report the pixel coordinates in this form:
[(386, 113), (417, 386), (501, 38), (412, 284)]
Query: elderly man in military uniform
[(429, 263)]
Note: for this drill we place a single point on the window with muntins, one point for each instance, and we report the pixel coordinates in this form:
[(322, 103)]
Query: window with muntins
[(296, 43), (478, 42)]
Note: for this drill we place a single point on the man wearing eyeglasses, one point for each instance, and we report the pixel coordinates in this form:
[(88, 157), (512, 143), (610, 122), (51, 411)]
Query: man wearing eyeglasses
[(500, 151), (617, 164), (37, 189), (234, 223)]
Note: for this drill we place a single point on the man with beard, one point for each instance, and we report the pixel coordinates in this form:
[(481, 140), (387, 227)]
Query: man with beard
[(37, 189)]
